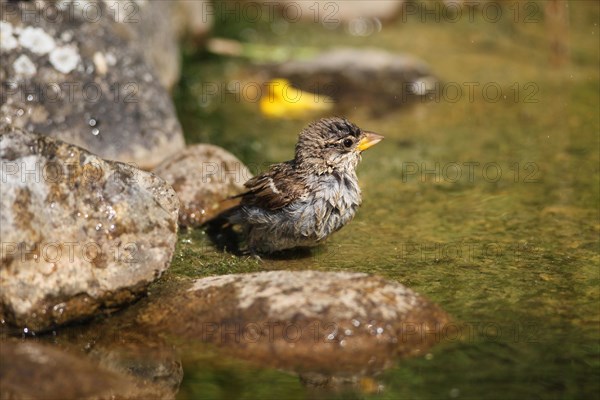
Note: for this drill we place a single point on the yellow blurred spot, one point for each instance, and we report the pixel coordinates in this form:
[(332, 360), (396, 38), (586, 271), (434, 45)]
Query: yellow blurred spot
[(368, 385), (282, 100)]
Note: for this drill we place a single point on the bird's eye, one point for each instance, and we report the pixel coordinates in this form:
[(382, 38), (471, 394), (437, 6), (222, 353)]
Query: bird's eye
[(348, 143)]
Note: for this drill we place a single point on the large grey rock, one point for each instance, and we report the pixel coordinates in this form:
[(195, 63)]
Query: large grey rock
[(307, 321), (204, 177), (79, 234), (80, 75), (373, 78)]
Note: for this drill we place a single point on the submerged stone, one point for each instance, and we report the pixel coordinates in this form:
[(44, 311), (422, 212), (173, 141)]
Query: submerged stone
[(374, 78), (80, 235), (146, 358), (204, 177), (35, 370), (330, 323)]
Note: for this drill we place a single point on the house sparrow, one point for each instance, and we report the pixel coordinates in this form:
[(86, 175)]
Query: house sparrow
[(299, 203)]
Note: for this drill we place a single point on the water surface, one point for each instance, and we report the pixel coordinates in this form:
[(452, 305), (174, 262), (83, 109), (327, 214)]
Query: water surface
[(488, 205)]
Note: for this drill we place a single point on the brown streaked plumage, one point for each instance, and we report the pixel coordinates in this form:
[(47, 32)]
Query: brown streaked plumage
[(299, 203)]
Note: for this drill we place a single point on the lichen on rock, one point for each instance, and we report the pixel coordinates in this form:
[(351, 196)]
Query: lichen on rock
[(65, 58)]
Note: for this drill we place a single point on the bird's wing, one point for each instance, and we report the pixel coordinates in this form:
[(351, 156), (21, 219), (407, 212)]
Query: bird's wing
[(275, 188)]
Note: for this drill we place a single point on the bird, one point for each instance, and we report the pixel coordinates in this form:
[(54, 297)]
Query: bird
[(301, 202)]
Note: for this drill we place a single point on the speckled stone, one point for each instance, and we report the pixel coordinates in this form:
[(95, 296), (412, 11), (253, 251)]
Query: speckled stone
[(80, 74), (80, 235), (374, 78), (307, 321), (204, 177)]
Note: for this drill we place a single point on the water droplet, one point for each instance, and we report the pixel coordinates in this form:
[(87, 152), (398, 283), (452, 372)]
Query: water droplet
[(95, 131), (379, 330), (30, 97), (60, 308), (98, 227), (342, 343), (25, 330), (348, 332), (331, 336), (92, 122), (356, 323), (20, 112)]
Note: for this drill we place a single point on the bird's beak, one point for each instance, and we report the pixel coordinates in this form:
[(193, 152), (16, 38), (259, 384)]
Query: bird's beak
[(370, 139)]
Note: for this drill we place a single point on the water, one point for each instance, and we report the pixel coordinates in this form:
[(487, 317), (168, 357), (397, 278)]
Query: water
[(485, 202)]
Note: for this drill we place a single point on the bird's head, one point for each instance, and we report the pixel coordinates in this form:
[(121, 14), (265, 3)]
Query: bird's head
[(333, 144)]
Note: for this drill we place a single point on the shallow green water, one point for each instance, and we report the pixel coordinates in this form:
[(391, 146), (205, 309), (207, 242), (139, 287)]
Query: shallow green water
[(510, 247)]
